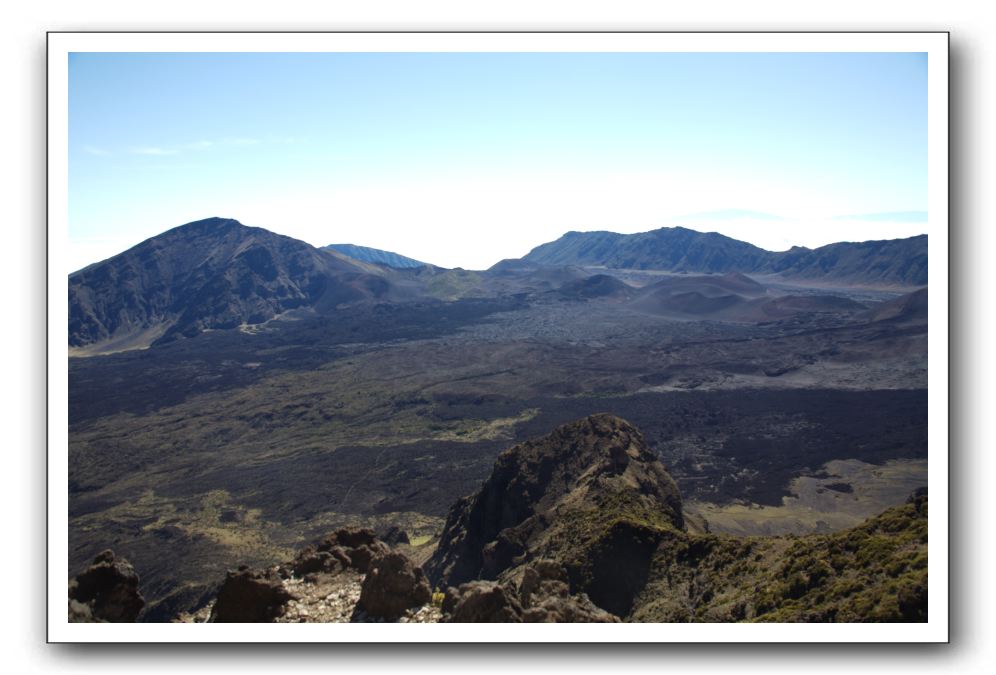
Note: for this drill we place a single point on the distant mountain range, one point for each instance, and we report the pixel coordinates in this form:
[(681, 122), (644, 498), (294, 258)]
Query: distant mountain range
[(895, 262), (219, 274), (375, 255)]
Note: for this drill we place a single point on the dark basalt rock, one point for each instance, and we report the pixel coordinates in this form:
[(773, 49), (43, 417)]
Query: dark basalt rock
[(392, 585), (107, 590), (348, 537), (361, 556), (539, 578), (543, 596), (394, 536), (311, 561), (250, 596), (567, 609), (80, 613), (481, 602)]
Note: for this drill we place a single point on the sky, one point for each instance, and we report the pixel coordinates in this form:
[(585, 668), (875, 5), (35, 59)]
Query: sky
[(463, 159)]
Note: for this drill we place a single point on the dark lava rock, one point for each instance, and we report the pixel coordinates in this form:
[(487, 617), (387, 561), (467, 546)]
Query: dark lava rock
[(107, 590), (392, 585), (543, 596), (348, 537), (347, 547), (567, 609), (394, 535), (250, 596), (310, 560), (80, 613), (541, 577), (361, 556), (481, 602), (590, 496)]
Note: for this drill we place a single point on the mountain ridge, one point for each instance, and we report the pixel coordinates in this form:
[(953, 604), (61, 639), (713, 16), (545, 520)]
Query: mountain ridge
[(217, 273), (208, 274), (678, 249)]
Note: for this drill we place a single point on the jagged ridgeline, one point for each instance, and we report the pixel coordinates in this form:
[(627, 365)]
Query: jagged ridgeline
[(582, 525), (594, 499)]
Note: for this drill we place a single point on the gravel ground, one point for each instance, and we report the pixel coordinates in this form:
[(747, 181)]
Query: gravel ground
[(326, 598)]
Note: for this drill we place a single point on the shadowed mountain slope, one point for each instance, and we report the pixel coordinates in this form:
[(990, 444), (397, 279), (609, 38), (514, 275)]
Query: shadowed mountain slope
[(675, 249), (597, 286), (892, 261), (374, 255), (910, 308), (209, 274)]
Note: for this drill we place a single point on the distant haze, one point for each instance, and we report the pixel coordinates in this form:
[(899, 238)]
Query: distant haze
[(465, 159)]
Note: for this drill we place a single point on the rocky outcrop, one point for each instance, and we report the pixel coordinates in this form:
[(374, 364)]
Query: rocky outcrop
[(392, 585), (542, 596), (250, 596), (393, 536), (590, 496), (106, 591), (310, 560), (349, 547), (481, 602)]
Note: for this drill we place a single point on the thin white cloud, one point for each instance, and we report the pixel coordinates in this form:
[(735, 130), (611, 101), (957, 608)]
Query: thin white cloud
[(199, 145), (154, 151), (96, 151), (162, 151)]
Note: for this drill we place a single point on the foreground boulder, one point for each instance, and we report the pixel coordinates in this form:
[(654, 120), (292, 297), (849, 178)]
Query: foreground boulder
[(250, 596), (348, 537), (591, 497), (543, 596), (393, 584), (310, 560), (567, 609), (481, 602), (348, 547), (106, 591)]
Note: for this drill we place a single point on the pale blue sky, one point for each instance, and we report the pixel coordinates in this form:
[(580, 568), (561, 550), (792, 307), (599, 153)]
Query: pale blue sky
[(463, 159)]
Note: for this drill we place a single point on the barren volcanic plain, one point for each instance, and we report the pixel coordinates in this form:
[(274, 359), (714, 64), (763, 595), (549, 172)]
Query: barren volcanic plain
[(314, 390)]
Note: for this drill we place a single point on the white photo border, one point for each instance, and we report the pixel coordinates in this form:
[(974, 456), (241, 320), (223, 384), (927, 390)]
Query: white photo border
[(934, 44)]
